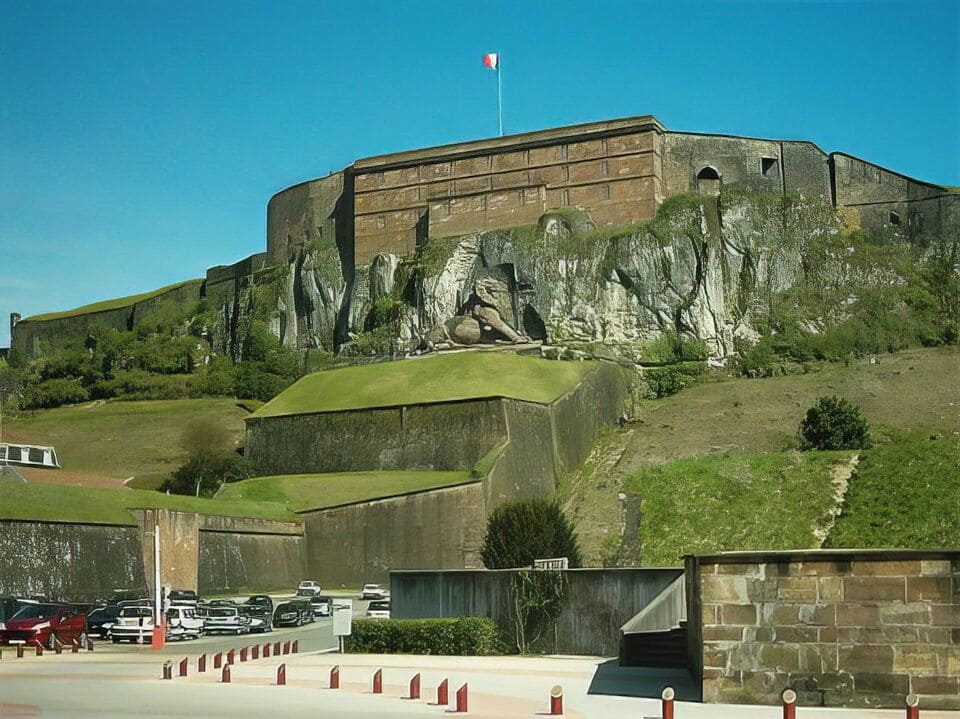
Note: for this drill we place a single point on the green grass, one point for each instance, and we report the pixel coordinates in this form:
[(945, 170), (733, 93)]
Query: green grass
[(60, 503), (447, 377), (105, 305), (123, 439), (733, 501), (904, 494), (316, 491)]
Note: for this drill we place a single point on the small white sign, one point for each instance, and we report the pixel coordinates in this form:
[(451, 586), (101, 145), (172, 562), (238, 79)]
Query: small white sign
[(556, 563), (342, 610)]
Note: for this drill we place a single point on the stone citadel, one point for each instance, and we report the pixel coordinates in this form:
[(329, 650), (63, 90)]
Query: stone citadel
[(334, 243)]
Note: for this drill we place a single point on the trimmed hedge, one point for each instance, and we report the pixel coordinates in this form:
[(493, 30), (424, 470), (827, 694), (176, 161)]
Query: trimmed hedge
[(465, 636)]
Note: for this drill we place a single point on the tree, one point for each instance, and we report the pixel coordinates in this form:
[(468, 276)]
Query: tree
[(834, 423), (519, 532), (211, 460)]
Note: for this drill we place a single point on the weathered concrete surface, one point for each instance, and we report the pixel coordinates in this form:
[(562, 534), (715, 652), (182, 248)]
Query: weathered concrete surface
[(597, 602), (841, 627), (178, 547), (69, 561), (362, 542), (232, 562)]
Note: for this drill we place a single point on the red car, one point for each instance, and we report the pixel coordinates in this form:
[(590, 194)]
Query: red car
[(42, 622)]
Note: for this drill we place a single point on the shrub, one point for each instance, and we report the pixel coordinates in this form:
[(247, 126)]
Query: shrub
[(253, 381), (519, 532), (834, 423), (460, 636), (55, 392), (203, 473), (665, 381)]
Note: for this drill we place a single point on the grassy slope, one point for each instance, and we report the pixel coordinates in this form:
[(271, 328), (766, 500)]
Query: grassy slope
[(110, 506), (912, 390), (456, 376), (904, 494), (116, 440), (314, 491), (733, 501), (105, 305)]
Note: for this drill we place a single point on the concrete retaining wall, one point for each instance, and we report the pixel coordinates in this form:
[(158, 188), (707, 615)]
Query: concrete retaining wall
[(249, 562), (840, 627), (69, 561), (362, 542), (598, 602)]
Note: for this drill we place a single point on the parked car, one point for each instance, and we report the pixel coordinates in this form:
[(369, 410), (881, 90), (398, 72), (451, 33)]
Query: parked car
[(294, 613), (321, 605), (259, 605), (10, 606), (183, 623), (225, 620), (308, 588), (135, 624), (101, 620), (373, 591), (379, 609), (42, 622), (258, 622), (183, 597)]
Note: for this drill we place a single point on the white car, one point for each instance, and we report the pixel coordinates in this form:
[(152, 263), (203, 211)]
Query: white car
[(379, 609), (308, 588), (321, 606), (226, 620), (374, 591), (135, 624)]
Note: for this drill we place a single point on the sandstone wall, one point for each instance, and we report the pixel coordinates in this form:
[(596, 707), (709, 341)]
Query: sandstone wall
[(360, 543), (69, 561), (300, 214), (444, 436), (597, 602), (841, 627)]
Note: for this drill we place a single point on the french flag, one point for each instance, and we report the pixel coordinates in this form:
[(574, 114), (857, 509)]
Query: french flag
[(492, 60)]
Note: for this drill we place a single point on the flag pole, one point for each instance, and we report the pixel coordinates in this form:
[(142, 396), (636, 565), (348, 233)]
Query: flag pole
[(499, 94)]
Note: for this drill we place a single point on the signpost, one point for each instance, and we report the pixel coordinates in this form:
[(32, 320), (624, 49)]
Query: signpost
[(342, 610), (557, 563)]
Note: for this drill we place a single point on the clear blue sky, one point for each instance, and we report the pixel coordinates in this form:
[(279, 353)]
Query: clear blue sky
[(140, 140)]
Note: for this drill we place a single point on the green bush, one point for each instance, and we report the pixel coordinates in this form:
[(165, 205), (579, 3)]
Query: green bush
[(203, 473), (519, 532), (665, 381), (462, 636), (833, 423), (139, 384), (55, 392)]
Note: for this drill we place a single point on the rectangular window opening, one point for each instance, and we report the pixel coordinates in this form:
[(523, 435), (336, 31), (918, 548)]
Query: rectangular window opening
[(769, 166)]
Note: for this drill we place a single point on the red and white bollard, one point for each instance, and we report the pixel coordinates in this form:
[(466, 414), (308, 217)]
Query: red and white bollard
[(75, 646), (225, 675), (913, 706), (232, 656), (335, 677), (89, 644), (666, 703), (266, 650), (218, 660), (462, 699), (378, 682), (443, 695), (282, 675), (183, 668), (201, 663), (243, 654), (39, 649), (255, 651), (295, 647), (57, 646), (556, 701), (415, 686), (19, 651), (286, 647), (167, 670), (276, 649), (789, 704)]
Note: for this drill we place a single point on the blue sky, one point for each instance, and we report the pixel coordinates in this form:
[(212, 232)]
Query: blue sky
[(141, 140)]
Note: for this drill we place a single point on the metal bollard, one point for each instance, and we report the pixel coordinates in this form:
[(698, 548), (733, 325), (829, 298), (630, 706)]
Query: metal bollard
[(183, 668), (75, 647), (335, 677), (378, 682), (39, 647), (225, 675), (282, 675), (443, 697), (666, 703), (556, 701), (89, 644), (913, 706), (168, 670), (415, 686), (232, 656), (255, 651), (789, 704), (295, 647), (19, 651), (243, 654), (202, 663), (218, 660), (462, 699)]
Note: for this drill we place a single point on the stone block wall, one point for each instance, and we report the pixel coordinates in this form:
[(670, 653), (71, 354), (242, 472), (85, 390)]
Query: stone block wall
[(302, 213), (840, 627)]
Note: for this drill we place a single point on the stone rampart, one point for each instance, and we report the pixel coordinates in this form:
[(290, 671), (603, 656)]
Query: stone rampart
[(441, 528), (840, 627), (302, 214), (597, 602)]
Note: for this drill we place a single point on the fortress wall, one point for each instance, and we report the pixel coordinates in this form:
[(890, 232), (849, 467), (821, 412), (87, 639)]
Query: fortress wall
[(450, 436), (250, 562), (302, 213), (527, 467), (69, 561), (806, 169), (840, 627), (737, 159), (440, 528), (611, 169), (221, 281)]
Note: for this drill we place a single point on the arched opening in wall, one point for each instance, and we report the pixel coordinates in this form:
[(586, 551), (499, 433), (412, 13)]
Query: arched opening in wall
[(708, 181), (894, 218)]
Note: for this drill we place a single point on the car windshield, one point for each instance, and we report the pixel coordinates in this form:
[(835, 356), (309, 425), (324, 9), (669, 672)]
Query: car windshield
[(36, 611), (136, 612), (260, 601), (223, 612), (380, 605)]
